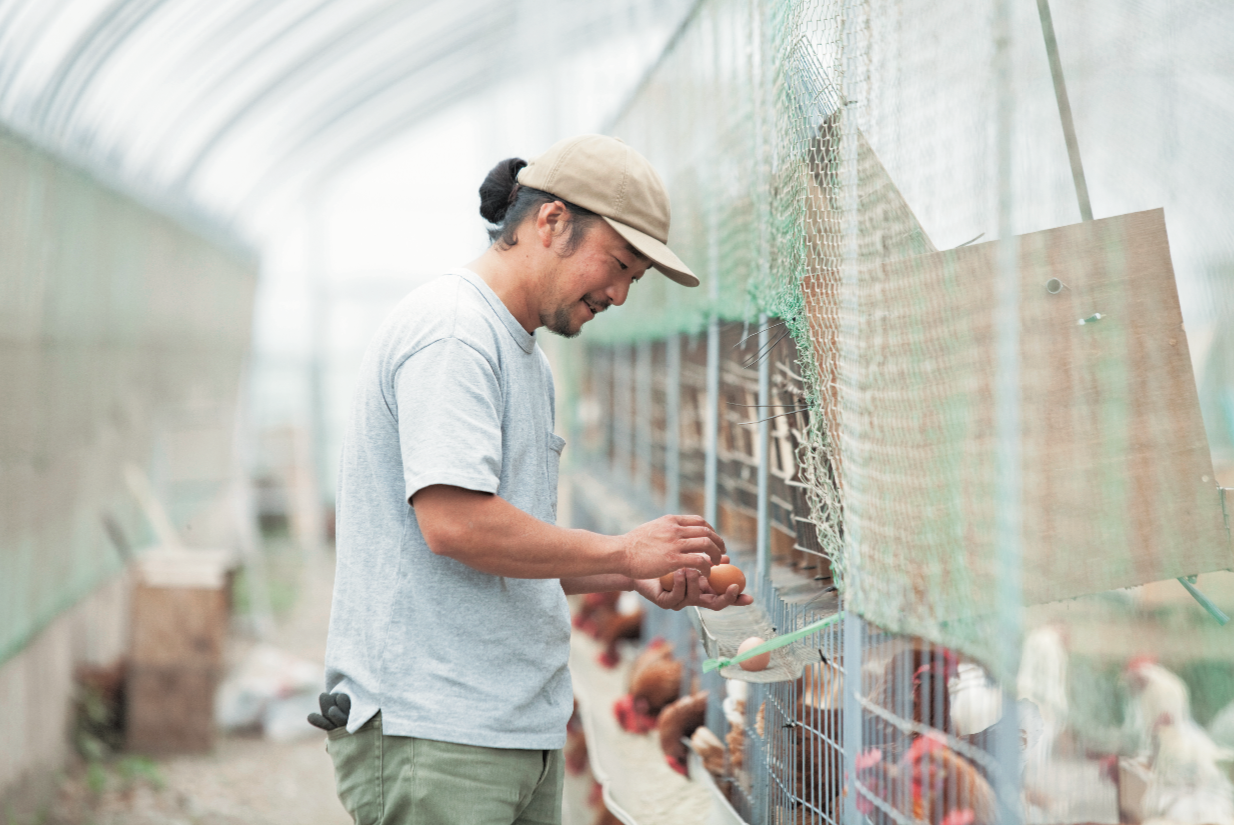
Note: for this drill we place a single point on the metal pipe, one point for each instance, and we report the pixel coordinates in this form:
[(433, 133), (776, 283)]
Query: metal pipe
[(1064, 109), (763, 453), (854, 642), (672, 424), (854, 628), (711, 504), (642, 419)]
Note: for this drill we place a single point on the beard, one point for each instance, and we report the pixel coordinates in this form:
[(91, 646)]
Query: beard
[(559, 322)]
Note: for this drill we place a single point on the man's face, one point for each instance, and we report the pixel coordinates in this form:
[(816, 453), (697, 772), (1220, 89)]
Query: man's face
[(597, 275)]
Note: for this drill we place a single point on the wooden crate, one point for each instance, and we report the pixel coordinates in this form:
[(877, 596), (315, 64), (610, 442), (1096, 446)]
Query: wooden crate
[(179, 626), (171, 708)]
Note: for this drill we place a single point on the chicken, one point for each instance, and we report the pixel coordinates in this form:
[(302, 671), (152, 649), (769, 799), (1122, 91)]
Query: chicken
[(814, 736), (818, 761), (1043, 681), (677, 722), (910, 679), (709, 749), (655, 681), (1155, 693), (593, 608), (976, 700), (931, 783), (1221, 728), (735, 715), (611, 628), (1187, 785)]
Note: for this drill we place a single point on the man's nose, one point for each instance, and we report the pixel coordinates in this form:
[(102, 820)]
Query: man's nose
[(617, 293)]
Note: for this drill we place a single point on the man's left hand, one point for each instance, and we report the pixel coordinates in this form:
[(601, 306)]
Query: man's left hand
[(690, 589)]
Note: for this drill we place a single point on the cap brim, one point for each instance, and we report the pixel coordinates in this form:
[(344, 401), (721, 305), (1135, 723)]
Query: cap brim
[(662, 258)]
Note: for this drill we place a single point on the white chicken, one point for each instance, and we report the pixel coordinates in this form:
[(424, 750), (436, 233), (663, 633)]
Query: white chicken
[(1043, 681), (1156, 693), (1186, 784)]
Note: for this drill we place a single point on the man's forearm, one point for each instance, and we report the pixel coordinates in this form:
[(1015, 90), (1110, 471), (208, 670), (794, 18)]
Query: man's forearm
[(600, 583), (488, 533)]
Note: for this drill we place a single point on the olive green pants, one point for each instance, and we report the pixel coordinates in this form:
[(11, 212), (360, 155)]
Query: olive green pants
[(401, 780)]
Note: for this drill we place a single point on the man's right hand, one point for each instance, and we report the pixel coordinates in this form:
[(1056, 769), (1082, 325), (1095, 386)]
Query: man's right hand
[(671, 543)]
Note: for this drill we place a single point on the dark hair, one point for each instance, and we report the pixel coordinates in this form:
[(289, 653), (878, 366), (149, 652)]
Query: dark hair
[(505, 204)]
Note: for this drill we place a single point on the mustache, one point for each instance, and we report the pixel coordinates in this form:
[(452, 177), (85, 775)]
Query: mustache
[(597, 306)]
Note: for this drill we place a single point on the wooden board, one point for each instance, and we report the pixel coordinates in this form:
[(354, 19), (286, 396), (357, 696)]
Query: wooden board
[(1118, 485)]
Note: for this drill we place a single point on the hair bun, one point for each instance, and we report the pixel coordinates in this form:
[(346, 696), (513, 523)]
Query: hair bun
[(498, 188)]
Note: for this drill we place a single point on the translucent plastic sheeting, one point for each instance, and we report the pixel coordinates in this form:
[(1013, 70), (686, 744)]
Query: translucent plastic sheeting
[(122, 340)]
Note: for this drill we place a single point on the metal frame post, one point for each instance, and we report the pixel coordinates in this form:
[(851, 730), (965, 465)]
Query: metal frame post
[(672, 424), (854, 627), (642, 422), (763, 453), (711, 506), (1007, 417)]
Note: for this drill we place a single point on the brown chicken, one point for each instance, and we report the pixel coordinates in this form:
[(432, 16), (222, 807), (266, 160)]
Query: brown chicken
[(811, 740), (932, 783), (655, 678), (678, 721), (655, 681), (594, 607), (910, 680), (611, 628)]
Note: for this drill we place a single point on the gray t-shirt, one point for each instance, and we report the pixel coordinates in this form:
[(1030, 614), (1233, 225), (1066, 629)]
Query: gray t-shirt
[(454, 391)]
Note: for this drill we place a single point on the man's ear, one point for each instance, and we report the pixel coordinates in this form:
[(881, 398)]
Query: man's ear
[(552, 222)]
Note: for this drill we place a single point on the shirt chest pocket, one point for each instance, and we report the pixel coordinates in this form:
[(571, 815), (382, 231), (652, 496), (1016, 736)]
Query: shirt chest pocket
[(555, 445)]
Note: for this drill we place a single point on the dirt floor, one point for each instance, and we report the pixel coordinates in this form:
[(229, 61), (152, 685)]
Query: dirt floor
[(246, 779)]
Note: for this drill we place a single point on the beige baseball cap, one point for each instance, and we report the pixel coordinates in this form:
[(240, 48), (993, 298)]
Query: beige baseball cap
[(605, 176)]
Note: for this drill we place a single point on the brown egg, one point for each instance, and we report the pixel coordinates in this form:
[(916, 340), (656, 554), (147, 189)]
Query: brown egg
[(758, 662), (722, 575), (666, 581)]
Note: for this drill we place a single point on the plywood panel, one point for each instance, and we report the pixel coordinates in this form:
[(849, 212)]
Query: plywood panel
[(1118, 486)]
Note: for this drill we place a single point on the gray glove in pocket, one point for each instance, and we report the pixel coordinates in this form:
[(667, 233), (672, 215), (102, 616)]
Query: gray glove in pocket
[(335, 708)]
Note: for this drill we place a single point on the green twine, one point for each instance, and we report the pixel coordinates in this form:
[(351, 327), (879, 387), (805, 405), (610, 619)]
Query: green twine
[(777, 642)]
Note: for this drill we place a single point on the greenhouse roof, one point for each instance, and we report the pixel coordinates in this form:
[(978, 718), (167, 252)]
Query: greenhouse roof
[(218, 104)]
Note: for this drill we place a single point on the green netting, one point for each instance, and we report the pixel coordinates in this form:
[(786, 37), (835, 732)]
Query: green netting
[(791, 200)]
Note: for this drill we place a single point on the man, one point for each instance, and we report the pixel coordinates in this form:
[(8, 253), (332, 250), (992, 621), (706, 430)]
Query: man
[(449, 637)]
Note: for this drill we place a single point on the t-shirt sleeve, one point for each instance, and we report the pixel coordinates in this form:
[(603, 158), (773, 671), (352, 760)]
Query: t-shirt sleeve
[(449, 418)]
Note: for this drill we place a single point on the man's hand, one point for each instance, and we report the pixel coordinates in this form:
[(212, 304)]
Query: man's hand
[(668, 544), (690, 589)]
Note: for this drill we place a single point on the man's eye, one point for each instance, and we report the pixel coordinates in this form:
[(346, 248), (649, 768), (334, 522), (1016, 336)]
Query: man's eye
[(619, 263)]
